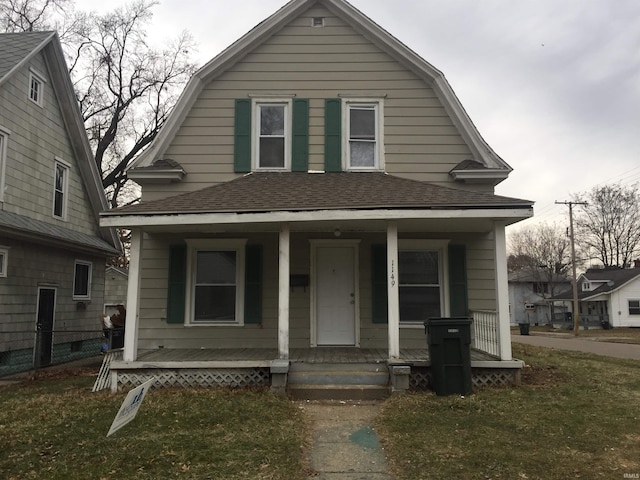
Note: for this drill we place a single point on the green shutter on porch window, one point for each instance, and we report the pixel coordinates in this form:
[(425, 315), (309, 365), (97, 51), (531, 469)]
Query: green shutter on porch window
[(458, 300), (177, 283), (379, 303), (242, 136), (333, 135), (253, 284), (300, 147)]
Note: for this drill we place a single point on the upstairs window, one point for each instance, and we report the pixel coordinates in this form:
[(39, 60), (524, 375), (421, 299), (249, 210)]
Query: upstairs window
[(36, 89), (3, 160), (4, 259), (273, 135), (60, 190), (363, 135), (82, 280)]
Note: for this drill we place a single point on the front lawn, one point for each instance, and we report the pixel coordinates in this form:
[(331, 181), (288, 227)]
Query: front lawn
[(575, 416), (56, 429)]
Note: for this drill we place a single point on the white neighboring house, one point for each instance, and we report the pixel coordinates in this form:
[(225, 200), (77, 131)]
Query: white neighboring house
[(529, 297), (608, 297)]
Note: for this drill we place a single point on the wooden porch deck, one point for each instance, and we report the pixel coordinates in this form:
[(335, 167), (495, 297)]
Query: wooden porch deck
[(264, 356)]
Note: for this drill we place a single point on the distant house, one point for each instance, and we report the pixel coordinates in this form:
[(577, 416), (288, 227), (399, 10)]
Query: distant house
[(530, 294), (317, 194), (52, 249), (607, 297), (115, 289)]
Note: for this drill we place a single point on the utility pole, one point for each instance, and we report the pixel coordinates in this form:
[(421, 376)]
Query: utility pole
[(574, 280)]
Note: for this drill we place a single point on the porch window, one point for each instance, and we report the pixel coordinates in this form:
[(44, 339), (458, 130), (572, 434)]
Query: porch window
[(634, 307), (217, 277), (420, 285), (4, 259)]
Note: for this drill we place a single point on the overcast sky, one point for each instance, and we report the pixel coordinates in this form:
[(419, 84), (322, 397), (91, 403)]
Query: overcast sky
[(552, 85)]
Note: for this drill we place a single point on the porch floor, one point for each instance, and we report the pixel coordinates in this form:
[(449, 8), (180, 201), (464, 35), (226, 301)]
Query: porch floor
[(263, 356)]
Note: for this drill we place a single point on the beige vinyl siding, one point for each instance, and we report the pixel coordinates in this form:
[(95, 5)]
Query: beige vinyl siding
[(420, 139), (38, 136), (19, 294)]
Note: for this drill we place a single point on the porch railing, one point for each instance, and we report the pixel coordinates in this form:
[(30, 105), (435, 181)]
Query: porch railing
[(484, 334)]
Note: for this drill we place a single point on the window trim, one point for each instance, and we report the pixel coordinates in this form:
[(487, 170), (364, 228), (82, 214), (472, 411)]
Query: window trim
[(4, 140), (193, 247), (636, 309), (439, 246), (37, 78), (80, 297), (256, 104), (378, 105), (4, 261), (65, 188)]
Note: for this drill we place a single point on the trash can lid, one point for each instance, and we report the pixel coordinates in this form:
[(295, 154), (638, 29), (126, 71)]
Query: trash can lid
[(448, 321)]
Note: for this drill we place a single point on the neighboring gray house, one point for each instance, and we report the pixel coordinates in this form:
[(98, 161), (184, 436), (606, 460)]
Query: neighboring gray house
[(607, 297), (317, 193), (52, 250), (530, 294)]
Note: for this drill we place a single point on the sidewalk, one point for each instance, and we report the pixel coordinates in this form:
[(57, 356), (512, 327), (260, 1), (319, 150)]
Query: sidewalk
[(345, 445), (570, 342)]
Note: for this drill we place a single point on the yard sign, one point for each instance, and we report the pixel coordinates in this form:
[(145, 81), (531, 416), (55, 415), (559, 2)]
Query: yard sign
[(130, 406)]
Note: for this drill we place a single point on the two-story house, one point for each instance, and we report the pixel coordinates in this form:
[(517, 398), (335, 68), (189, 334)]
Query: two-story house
[(52, 250), (317, 194), (530, 294)]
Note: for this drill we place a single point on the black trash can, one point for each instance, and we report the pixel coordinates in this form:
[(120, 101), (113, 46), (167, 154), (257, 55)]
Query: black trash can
[(116, 338), (449, 341), (524, 328)]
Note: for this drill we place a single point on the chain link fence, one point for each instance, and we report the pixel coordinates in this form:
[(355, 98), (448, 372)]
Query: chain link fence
[(21, 351)]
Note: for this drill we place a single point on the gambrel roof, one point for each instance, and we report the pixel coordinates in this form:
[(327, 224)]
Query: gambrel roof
[(486, 162), (16, 50)]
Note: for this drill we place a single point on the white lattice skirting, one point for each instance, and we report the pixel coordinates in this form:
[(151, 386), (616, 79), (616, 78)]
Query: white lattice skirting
[(480, 377), (233, 377)]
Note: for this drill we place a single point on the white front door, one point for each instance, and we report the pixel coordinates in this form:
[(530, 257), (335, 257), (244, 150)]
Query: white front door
[(335, 295)]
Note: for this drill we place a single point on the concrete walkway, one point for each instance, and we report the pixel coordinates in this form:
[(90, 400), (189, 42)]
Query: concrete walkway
[(563, 341), (345, 445)]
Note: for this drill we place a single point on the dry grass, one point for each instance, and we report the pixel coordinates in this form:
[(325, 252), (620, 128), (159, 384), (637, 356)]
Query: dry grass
[(615, 335)]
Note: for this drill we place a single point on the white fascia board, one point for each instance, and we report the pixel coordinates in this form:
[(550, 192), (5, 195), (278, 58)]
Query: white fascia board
[(110, 220)]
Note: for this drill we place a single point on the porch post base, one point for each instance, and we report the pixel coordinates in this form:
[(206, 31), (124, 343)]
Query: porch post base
[(279, 372), (399, 375)]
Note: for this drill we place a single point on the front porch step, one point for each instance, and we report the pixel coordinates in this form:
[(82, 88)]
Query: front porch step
[(338, 381)]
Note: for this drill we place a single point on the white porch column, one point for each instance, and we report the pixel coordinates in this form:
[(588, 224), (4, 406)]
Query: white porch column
[(283, 292), (502, 290), (133, 297), (392, 291)]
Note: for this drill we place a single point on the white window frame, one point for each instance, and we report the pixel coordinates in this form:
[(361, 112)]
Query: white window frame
[(4, 261), (37, 79), (81, 297), (257, 103), (629, 306), (65, 188), (4, 140), (440, 247), (193, 247), (378, 106)]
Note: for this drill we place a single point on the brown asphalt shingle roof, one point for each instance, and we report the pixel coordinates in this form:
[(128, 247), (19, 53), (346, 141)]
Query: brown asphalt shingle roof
[(301, 191)]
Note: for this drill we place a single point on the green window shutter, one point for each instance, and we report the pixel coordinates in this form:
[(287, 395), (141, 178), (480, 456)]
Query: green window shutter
[(253, 284), (379, 303), (333, 135), (177, 283), (459, 305), (242, 136), (300, 147)]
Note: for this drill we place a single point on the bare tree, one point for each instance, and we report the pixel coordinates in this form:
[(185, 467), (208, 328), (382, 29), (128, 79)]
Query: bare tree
[(544, 251), (125, 86), (609, 225)]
